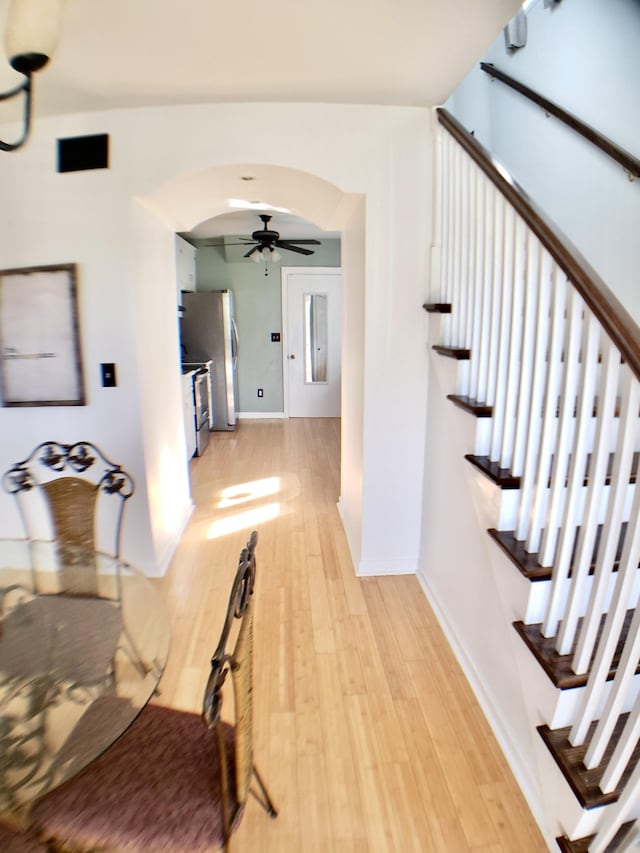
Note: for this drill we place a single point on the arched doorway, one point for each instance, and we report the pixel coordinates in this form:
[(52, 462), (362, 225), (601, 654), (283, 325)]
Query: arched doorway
[(183, 202)]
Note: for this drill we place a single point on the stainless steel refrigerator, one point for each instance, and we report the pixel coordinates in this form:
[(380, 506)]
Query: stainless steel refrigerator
[(208, 333)]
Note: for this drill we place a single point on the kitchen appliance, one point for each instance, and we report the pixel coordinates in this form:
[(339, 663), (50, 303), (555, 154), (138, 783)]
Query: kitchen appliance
[(201, 389), (208, 333), (201, 400)]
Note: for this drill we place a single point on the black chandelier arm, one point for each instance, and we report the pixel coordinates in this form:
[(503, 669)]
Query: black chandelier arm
[(25, 87)]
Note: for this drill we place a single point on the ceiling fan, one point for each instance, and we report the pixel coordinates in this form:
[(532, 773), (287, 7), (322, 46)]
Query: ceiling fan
[(266, 243)]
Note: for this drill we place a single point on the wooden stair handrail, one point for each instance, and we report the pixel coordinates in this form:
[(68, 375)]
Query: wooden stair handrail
[(630, 163), (613, 316)]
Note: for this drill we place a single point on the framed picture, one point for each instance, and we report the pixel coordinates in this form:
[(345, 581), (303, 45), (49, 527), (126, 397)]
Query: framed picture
[(40, 363)]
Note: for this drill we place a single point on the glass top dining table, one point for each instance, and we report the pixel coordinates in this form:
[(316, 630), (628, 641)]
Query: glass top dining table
[(78, 661)]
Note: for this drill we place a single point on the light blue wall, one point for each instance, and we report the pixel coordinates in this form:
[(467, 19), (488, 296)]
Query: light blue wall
[(585, 56), (258, 312)]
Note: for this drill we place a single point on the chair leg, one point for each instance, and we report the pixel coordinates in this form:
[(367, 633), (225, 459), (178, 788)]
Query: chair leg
[(134, 655), (265, 799)]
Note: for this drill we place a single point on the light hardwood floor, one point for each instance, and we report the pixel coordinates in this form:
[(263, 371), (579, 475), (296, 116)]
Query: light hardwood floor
[(367, 734)]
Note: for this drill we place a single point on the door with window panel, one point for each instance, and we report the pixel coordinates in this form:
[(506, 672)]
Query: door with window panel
[(312, 357)]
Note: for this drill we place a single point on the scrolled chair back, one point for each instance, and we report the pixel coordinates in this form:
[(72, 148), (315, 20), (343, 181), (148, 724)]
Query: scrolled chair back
[(238, 661), (58, 489)]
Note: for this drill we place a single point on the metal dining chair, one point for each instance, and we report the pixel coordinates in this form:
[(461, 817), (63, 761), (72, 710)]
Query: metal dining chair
[(67, 495), (175, 782)]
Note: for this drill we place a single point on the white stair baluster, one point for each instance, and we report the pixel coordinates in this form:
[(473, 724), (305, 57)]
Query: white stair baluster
[(436, 279), (463, 263), (484, 345), (524, 421), (504, 333), (549, 417), (541, 342), (571, 515), (626, 669), (617, 815), (611, 529), (596, 495), (456, 295), (623, 751), (480, 295), (448, 247), (515, 345), (565, 429), (497, 284)]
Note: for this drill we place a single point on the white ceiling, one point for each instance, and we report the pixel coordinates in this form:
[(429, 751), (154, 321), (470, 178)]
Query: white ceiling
[(118, 53), (129, 53)]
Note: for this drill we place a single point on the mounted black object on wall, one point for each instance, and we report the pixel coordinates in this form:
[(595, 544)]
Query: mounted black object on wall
[(78, 153), (108, 371)]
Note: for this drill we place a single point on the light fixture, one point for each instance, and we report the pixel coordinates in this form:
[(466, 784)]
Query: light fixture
[(515, 33), (275, 255), (242, 204), (30, 39)]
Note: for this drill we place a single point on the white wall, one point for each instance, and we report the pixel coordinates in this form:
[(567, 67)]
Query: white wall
[(83, 218), (353, 332), (156, 338), (584, 56), (179, 164)]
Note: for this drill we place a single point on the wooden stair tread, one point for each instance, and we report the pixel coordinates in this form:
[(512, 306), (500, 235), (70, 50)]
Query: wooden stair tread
[(486, 409), (584, 783), (458, 353), (581, 845), (475, 408), (558, 667), (501, 476), (506, 480), (437, 307), (528, 562)]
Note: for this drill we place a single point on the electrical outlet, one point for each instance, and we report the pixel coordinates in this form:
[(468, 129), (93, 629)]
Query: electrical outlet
[(260, 392)]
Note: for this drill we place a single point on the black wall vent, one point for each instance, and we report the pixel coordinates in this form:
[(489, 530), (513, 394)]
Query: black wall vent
[(77, 153)]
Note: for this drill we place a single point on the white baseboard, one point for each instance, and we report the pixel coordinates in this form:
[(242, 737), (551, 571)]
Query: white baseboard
[(254, 416), (379, 568)]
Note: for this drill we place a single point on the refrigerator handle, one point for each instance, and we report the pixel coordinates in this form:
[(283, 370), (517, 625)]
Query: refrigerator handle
[(234, 342)]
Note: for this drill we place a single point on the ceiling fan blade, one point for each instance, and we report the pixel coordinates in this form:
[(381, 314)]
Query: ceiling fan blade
[(297, 249), (251, 251), (286, 243)]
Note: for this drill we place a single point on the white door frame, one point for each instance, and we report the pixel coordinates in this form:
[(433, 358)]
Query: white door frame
[(284, 300)]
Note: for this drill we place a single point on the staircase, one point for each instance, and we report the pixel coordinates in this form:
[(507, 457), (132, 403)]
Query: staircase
[(532, 512)]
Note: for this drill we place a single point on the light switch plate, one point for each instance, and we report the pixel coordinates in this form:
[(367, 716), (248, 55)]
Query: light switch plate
[(108, 370)]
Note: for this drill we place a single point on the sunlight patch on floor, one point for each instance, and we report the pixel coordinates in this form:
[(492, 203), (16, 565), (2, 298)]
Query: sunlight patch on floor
[(243, 520), (243, 492)]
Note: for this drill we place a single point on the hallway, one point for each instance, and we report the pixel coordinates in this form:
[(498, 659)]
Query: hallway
[(367, 734)]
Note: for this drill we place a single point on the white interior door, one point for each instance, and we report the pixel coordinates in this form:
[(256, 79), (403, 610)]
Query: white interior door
[(311, 303)]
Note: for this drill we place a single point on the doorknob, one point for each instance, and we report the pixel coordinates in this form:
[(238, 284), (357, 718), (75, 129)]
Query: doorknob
[(292, 356)]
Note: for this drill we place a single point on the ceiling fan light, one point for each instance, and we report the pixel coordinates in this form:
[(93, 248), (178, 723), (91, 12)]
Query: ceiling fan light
[(256, 257), (275, 256), (33, 28)]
